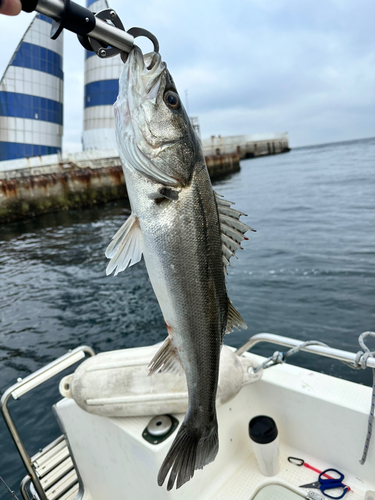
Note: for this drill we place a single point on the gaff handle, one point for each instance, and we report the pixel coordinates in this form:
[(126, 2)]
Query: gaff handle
[(29, 5), (81, 21), (65, 14), (107, 39)]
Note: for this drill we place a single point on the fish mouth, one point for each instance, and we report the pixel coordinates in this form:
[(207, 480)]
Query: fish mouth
[(146, 71), (139, 82), (139, 94)]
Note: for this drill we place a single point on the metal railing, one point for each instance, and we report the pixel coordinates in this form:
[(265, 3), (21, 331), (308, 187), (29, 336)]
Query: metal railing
[(325, 351), (27, 384), (57, 366)]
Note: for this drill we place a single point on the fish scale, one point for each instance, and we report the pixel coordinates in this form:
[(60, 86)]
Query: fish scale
[(180, 227)]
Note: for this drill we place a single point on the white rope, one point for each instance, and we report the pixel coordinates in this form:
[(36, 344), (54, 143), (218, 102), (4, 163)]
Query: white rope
[(361, 358)]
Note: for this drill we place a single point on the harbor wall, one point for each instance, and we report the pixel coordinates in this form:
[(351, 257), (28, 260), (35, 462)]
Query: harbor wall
[(41, 185), (247, 146)]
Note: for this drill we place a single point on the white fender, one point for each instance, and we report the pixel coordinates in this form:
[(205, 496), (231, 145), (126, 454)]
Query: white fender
[(116, 383)]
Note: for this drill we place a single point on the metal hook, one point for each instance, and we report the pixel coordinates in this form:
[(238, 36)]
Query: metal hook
[(136, 32), (296, 461)]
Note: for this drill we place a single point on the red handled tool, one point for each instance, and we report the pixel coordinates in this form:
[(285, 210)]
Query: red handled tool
[(299, 462)]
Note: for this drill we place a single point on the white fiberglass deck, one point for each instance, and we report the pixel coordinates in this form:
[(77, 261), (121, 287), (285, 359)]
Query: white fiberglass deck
[(321, 419)]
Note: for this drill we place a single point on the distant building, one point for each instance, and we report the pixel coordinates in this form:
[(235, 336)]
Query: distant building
[(246, 146), (31, 102), (31, 95), (195, 122), (101, 90)]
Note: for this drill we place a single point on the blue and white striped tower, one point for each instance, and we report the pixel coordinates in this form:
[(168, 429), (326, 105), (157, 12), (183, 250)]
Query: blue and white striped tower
[(31, 95), (101, 89)]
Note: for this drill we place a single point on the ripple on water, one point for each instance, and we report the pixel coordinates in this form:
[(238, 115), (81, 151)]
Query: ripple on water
[(307, 273)]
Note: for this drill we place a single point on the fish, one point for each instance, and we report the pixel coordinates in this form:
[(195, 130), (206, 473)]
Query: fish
[(187, 235)]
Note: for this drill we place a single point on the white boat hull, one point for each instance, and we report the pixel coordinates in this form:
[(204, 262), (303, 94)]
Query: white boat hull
[(320, 418)]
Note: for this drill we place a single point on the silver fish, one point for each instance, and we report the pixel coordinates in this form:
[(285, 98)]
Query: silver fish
[(187, 235)]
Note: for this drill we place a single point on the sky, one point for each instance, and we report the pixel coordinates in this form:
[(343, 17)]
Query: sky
[(255, 66)]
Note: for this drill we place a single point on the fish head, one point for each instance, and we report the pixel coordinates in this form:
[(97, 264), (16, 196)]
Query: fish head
[(154, 132)]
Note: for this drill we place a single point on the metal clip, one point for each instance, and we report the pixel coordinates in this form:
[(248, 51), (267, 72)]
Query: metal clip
[(102, 32), (97, 47), (314, 496), (105, 51)]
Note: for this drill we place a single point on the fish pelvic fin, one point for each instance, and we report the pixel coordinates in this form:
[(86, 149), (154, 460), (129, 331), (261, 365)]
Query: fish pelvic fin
[(235, 319), (126, 248), (166, 360), (192, 449), (232, 229)]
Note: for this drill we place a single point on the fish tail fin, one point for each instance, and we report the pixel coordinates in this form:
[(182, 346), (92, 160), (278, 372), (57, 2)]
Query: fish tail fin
[(192, 449)]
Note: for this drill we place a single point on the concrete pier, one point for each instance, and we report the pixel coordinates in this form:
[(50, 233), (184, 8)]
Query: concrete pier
[(43, 184), (247, 146)]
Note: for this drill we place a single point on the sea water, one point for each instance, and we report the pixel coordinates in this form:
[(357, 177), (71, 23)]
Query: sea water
[(307, 273)]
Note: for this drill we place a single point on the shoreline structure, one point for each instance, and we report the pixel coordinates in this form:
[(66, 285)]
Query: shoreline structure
[(42, 184), (35, 176)]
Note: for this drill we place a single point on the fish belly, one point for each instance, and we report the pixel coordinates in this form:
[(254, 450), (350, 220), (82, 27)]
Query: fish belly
[(182, 251)]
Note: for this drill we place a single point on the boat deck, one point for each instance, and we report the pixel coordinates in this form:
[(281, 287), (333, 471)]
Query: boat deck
[(321, 419)]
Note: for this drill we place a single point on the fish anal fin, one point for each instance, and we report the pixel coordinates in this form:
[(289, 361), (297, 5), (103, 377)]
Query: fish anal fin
[(166, 359), (235, 319), (126, 248)]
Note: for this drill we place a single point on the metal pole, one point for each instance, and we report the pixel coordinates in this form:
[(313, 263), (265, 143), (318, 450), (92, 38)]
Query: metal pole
[(328, 352), (28, 383), (102, 31)]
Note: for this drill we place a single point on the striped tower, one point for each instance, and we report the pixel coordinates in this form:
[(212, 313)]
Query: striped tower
[(31, 95), (101, 90)]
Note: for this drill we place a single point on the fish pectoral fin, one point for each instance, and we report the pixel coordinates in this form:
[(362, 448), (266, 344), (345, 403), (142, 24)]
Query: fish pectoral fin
[(126, 248), (232, 229), (165, 194), (166, 360), (171, 194), (235, 319)]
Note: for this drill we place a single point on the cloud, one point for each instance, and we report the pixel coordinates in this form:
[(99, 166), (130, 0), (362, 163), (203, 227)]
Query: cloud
[(250, 66)]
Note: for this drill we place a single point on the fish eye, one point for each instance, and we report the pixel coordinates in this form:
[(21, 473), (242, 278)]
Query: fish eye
[(172, 100)]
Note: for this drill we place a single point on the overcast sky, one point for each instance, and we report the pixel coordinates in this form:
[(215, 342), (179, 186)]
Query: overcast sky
[(250, 66)]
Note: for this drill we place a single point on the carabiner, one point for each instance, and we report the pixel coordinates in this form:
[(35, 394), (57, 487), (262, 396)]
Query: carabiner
[(296, 461)]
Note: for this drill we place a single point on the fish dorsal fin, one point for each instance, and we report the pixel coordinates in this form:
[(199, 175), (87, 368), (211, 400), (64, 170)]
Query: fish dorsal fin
[(166, 360), (232, 234), (235, 319), (232, 229), (126, 247)]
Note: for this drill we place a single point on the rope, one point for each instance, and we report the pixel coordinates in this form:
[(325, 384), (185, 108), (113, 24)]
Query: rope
[(280, 357), (360, 361), (10, 491)]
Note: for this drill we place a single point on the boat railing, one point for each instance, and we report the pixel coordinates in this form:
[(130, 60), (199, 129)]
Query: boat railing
[(355, 360), (27, 384), (326, 351)]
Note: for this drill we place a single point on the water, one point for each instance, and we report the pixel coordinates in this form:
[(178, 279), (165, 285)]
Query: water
[(307, 273)]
